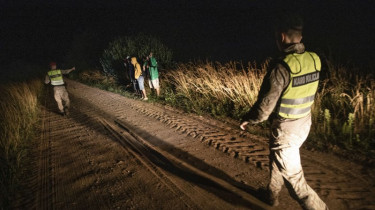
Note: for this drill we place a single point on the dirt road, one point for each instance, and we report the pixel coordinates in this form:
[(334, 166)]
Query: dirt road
[(119, 153)]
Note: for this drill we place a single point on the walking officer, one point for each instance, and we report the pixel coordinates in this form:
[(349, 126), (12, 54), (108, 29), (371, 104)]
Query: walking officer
[(287, 94), (55, 77)]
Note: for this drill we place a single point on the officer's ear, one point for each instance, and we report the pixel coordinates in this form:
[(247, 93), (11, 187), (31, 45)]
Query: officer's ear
[(280, 37), (284, 38)]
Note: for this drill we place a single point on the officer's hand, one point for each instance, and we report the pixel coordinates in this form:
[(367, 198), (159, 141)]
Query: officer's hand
[(74, 68), (243, 125)]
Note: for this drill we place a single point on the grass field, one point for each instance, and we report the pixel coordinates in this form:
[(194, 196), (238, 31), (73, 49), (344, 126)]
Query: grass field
[(343, 113), (18, 118)]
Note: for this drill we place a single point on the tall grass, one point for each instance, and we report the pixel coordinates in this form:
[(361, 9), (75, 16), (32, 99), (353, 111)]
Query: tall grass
[(18, 117), (344, 110), (96, 77), (222, 89), (103, 81), (343, 113)]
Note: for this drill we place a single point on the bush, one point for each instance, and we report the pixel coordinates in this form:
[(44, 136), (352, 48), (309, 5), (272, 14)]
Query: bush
[(139, 46)]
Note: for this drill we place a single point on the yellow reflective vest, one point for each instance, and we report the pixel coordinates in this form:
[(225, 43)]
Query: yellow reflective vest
[(298, 97), (56, 77)]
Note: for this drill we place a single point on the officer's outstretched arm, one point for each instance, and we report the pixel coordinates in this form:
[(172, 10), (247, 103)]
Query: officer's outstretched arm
[(67, 71)]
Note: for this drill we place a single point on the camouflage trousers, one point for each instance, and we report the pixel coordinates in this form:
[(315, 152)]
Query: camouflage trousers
[(61, 97), (285, 162)]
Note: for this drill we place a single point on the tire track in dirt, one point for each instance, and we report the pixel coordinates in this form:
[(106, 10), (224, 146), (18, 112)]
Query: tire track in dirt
[(56, 193), (177, 175), (157, 157), (222, 138), (140, 151), (45, 178), (327, 180), (90, 163), (330, 180)]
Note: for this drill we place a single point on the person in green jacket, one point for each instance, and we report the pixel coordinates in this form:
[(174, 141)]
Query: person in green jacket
[(154, 74), (287, 94)]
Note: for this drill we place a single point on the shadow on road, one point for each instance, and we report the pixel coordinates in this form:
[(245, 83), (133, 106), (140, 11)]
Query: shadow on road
[(88, 114)]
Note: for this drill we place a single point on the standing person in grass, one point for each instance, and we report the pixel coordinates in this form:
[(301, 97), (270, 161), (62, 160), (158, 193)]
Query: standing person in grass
[(146, 68), (154, 74), (138, 75), (131, 72), (55, 77), (127, 69), (287, 94)]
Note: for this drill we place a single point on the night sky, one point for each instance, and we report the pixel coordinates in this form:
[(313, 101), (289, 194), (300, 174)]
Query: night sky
[(40, 31)]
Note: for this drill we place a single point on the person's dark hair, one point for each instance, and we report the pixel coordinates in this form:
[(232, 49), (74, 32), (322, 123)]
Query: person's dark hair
[(291, 24)]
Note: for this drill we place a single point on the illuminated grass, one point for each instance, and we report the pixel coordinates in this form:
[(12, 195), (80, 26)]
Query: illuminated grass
[(221, 89), (18, 117), (343, 112)]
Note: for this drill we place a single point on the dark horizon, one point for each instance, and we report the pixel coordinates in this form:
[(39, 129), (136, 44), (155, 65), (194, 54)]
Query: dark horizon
[(222, 30)]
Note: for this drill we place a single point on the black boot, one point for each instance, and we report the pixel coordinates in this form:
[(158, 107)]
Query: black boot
[(273, 200), (66, 111), (268, 197)]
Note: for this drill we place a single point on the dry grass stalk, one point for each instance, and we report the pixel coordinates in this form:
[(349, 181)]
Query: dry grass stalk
[(18, 116), (218, 81), (343, 94)]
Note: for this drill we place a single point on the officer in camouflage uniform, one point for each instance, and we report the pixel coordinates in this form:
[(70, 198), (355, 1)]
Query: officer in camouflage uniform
[(287, 94), (55, 76)]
